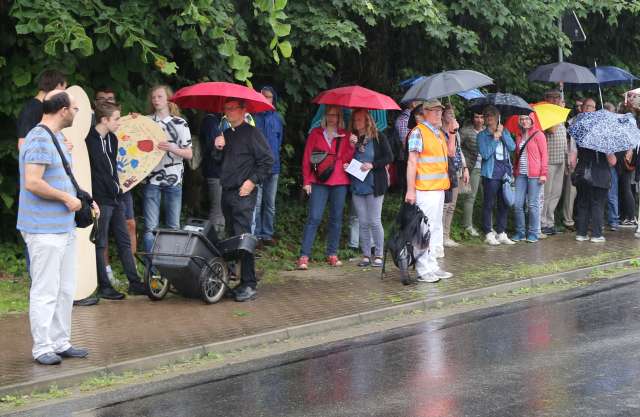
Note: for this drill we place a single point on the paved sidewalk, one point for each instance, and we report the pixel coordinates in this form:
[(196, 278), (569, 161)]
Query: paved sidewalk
[(119, 331)]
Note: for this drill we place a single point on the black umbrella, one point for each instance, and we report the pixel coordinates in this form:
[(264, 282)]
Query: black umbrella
[(444, 84), (563, 72), (508, 104)]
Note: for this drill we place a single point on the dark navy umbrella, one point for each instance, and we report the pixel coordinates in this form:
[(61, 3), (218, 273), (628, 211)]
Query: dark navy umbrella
[(508, 104), (604, 131), (563, 72), (445, 84)]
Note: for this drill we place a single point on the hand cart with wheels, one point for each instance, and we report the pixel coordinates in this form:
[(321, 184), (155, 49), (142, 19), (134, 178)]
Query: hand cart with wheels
[(192, 260)]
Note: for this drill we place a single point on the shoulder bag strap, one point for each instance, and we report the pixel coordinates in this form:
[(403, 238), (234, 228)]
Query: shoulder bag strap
[(519, 150), (65, 164)]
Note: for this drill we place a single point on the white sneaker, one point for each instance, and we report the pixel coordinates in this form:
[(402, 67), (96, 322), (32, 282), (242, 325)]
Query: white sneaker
[(428, 278), (490, 239), (580, 238), (450, 243), (472, 231), (599, 239), (442, 274), (504, 239)]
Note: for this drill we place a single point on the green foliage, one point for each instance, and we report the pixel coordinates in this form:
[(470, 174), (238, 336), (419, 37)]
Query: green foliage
[(301, 47)]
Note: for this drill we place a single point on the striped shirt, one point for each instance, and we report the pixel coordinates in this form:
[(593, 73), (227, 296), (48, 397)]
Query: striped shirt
[(37, 214), (523, 162)]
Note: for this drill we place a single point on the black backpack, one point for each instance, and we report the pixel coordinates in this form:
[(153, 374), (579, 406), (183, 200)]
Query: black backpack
[(406, 235)]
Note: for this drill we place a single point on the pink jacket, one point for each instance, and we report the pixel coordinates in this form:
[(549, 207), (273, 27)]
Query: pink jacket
[(317, 142), (537, 156)]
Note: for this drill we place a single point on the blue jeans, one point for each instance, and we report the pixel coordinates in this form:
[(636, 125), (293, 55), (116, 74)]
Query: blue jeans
[(153, 194), (613, 216), (492, 194), (527, 189), (320, 195), (265, 211)]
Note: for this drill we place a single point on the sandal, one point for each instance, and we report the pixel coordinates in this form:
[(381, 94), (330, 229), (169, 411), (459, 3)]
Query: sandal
[(377, 262)]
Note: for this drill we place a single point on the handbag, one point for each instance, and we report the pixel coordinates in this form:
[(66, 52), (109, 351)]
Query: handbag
[(323, 163), (84, 217), (508, 190)]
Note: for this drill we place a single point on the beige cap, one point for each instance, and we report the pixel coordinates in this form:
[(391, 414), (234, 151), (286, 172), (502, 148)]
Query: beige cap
[(432, 104)]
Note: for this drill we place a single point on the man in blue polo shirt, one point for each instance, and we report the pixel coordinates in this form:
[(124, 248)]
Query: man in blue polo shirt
[(46, 220)]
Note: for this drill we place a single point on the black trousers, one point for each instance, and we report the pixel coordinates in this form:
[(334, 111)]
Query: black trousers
[(627, 200), (590, 202), (112, 219), (238, 217)]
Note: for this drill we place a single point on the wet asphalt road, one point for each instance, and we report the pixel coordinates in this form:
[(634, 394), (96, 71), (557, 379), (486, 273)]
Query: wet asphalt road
[(571, 357)]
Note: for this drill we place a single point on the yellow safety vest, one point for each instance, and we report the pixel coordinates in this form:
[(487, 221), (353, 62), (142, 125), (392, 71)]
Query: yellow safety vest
[(432, 165)]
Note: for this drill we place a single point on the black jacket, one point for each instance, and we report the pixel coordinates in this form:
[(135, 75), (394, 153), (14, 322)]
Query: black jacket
[(597, 161), (246, 156), (104, 172), (382, 156)]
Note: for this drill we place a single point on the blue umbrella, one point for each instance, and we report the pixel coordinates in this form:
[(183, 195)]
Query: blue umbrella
[(379, 116), (607, 76), (606, 132), (467, 95)]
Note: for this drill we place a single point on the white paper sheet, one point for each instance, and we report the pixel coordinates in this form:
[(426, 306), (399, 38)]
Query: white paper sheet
[(354, 169)]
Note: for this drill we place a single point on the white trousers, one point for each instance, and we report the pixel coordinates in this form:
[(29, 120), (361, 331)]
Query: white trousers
[(432, 205), (53, 285)]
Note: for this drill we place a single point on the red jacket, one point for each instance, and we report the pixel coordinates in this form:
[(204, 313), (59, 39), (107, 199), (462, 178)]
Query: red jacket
[(537, 156), (317, 142)]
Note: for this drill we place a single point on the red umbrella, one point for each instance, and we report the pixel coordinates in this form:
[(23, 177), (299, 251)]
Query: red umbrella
[(354, 96), (210, 97)]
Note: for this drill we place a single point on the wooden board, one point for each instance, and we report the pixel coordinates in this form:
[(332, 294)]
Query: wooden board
[(86, 274), (138, 154)]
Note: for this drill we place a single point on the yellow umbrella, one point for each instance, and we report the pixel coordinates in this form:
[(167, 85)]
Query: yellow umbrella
[(549, 114)]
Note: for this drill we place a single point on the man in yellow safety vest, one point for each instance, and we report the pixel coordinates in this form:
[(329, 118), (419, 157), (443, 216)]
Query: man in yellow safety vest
[(427, 180)]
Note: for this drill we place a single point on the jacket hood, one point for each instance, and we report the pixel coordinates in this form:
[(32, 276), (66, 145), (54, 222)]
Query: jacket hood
[(273, 92)]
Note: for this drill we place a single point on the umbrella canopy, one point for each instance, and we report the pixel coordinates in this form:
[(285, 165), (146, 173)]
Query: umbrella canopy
[(606, 132), (445, 84), (471, 94), (354, 96), (549, 114), (607, 76), (508, 104), (210, 97), (545, 115), (467, 95), (563, 72)]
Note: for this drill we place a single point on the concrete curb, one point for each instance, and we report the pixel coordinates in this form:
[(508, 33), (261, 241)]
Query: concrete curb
[(147, 363)]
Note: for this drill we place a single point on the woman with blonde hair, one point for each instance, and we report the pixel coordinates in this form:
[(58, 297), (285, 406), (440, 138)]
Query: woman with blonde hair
[(325, 181), (165, 181), (374, 152)]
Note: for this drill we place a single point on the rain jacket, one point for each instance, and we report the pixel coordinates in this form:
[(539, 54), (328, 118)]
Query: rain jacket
[(271, 125), (317, 142), (537, 158)]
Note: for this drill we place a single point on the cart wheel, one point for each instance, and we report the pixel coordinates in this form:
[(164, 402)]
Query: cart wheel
[(213, 280), (157, 286)]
